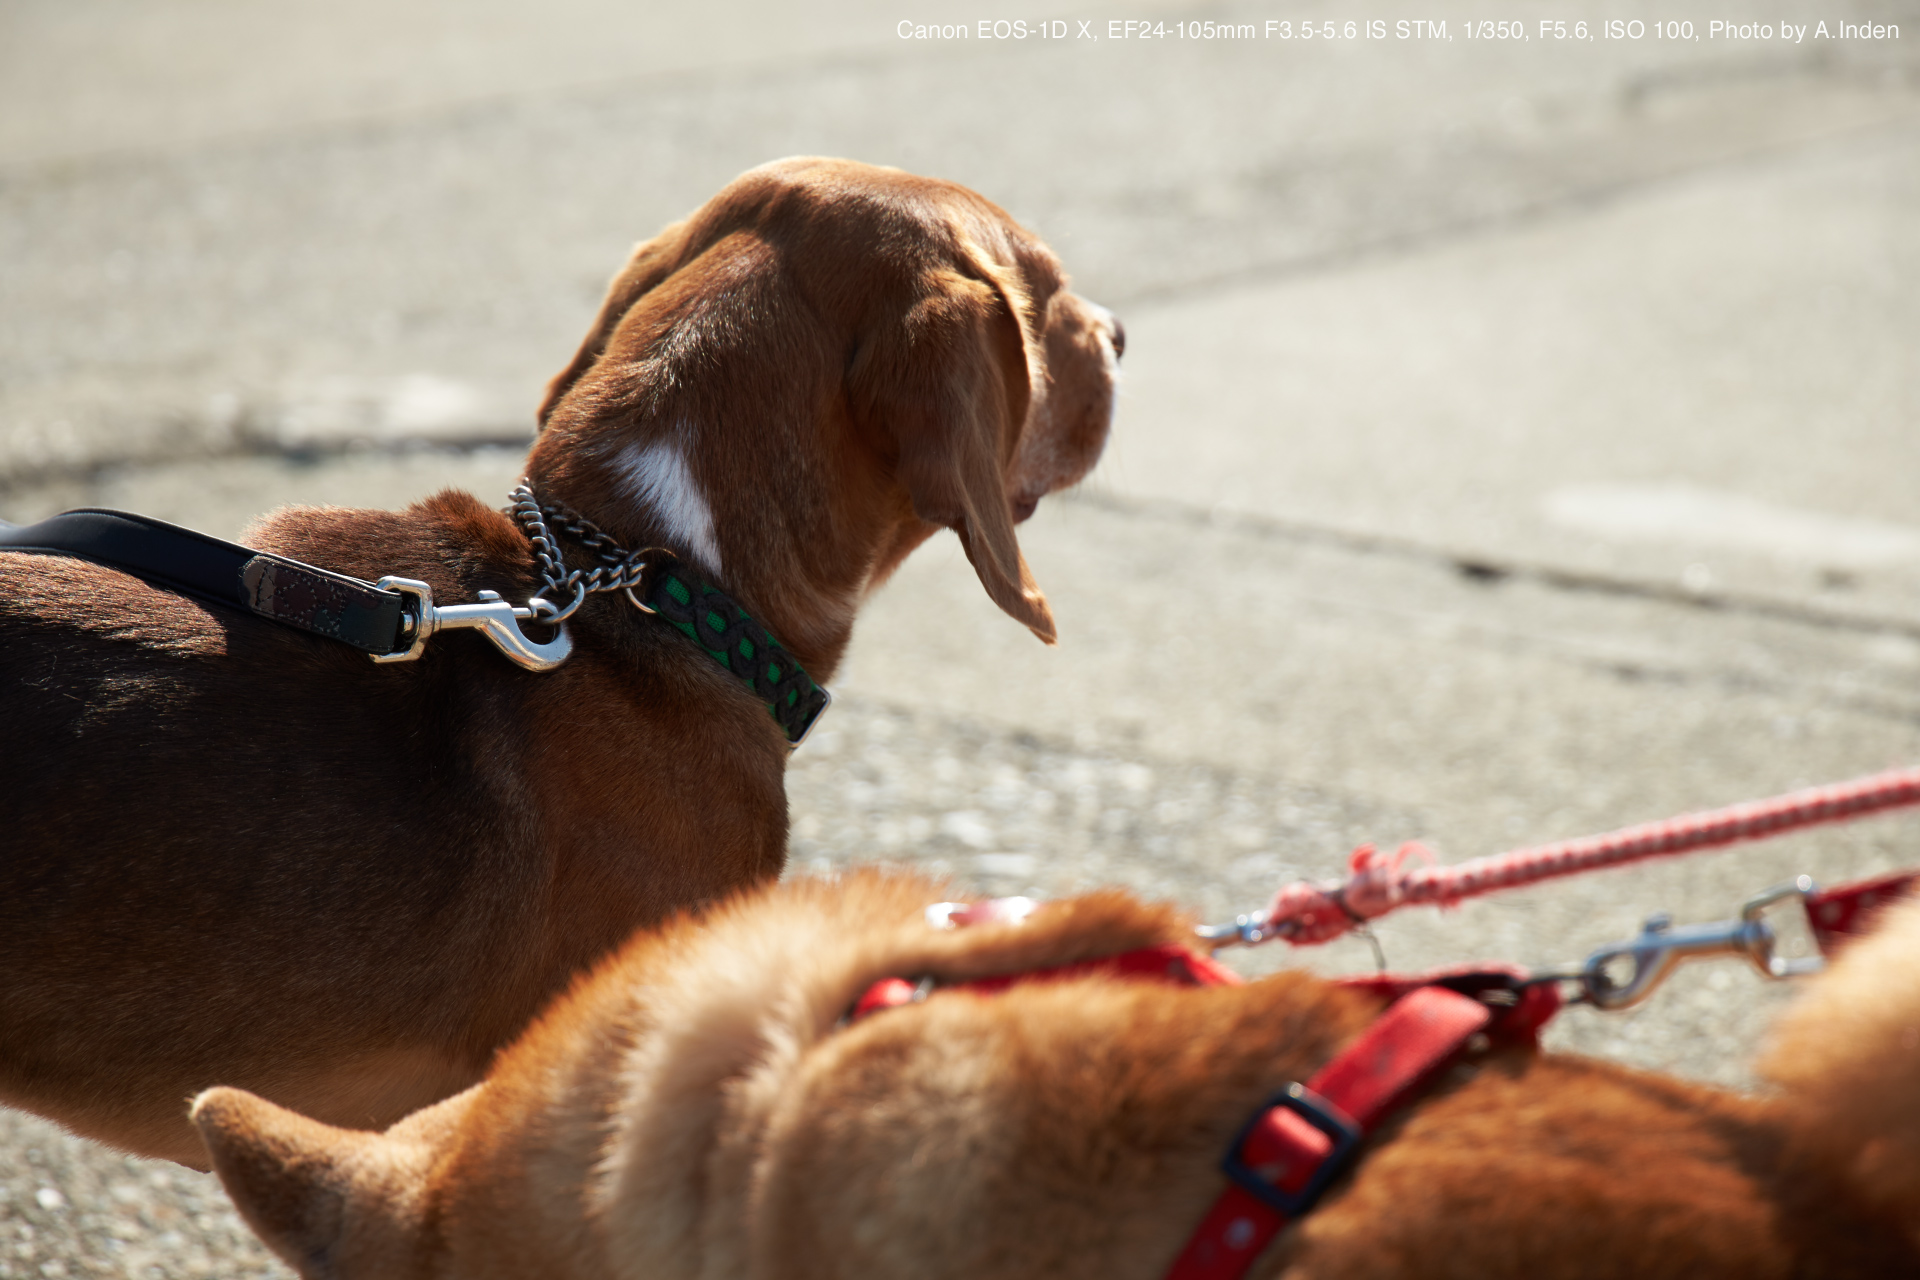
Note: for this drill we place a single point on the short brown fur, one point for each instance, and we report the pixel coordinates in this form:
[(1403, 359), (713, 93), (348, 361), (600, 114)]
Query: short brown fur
[(694, 1110), (241, 854)]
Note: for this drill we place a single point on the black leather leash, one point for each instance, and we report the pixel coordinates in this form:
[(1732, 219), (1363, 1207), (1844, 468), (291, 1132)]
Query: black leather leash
[(192, 564), (393, 619)]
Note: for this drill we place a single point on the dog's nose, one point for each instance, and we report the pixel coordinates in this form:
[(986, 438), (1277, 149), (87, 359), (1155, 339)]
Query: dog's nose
[(1118, 337)]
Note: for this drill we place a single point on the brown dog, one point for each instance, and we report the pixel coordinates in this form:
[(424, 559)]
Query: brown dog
[(697, 1108), (240, 854)]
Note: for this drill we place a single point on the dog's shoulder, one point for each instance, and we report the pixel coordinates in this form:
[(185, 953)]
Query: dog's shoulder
[(452, 541)]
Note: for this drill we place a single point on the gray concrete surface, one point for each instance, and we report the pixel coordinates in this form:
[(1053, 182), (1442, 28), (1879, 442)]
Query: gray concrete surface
[(1517, 439)]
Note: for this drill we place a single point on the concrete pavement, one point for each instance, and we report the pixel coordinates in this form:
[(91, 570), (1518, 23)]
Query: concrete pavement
[(1517, 439)]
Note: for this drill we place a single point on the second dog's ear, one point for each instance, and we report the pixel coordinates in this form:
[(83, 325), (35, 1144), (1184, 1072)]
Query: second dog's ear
[(329, 1201), (951, 383)]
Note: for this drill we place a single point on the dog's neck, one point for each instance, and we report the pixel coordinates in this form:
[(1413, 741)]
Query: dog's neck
[(660, 487), (797, 560)]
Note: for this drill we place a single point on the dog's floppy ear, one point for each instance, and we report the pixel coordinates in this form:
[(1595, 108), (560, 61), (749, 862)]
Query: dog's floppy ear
[(313, 1193), (652, 261), (951, 382)]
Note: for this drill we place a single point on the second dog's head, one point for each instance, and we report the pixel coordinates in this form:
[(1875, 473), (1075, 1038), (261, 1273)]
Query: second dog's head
[(825, 364)]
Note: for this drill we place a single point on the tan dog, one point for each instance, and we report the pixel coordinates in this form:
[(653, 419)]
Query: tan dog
[(240, 854), (695, 1109)]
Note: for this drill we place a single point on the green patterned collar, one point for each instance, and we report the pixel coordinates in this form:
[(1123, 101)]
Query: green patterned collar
[(660, 583)]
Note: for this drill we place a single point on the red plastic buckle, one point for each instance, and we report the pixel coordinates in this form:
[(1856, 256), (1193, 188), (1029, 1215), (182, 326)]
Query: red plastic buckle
[(1270, 1174)]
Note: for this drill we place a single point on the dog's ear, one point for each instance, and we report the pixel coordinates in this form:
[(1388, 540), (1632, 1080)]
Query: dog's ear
[(652, 261), (951, 381), (320, 1197)]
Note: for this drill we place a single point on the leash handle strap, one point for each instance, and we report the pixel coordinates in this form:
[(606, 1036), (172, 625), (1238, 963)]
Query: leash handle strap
[(223, 573), (1302, 1139)]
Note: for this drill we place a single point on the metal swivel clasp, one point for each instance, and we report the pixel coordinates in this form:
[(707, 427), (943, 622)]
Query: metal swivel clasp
[(492, 616)]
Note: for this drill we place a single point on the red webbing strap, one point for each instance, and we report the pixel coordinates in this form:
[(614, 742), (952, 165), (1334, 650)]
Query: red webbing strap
[(888, 993), (1418, 1035), (1838, 913), (1166, 963), (1521, 1007)]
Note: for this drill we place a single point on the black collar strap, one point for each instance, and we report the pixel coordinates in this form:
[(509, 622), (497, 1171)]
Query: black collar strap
[(224, 573), (660, 583)]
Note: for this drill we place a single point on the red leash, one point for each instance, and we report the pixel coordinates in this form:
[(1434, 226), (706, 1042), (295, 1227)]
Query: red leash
[(1307, 912)]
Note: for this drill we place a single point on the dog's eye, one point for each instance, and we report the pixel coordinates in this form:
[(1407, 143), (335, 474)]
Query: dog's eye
[(1119, 338)]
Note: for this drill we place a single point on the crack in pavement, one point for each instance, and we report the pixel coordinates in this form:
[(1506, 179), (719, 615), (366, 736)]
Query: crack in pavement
[(1491, 569)]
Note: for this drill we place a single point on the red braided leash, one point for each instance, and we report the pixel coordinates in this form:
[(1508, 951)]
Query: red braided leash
[(1305, 912)]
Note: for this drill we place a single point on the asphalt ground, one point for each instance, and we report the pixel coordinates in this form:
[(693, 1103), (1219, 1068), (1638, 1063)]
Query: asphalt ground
[(1516, 443)]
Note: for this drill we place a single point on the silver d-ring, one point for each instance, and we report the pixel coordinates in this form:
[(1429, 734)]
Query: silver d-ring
[(635, 601)]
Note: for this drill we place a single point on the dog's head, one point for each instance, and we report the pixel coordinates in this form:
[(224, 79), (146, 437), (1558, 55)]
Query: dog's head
[(699, 1108), (817, 370)]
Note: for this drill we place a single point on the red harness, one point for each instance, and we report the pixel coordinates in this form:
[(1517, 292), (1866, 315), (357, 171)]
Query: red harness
[(1300, 1140)]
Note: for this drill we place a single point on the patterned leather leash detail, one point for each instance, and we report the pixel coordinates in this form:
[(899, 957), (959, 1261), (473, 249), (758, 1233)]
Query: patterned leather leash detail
[(312, 601), (666, 586)]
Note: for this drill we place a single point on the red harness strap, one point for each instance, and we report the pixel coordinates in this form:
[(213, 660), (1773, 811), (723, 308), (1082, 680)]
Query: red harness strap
[(1307, 1134), (1167, 963), (1520, 1005), (1838, 913)]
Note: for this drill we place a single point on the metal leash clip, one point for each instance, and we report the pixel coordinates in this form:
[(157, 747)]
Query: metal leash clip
[(1625, 973), (1248, 930), (492, 617)]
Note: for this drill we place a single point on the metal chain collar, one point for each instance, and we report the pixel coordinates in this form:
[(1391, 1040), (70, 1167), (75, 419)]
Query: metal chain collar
[(696, 608), (619, 570)]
